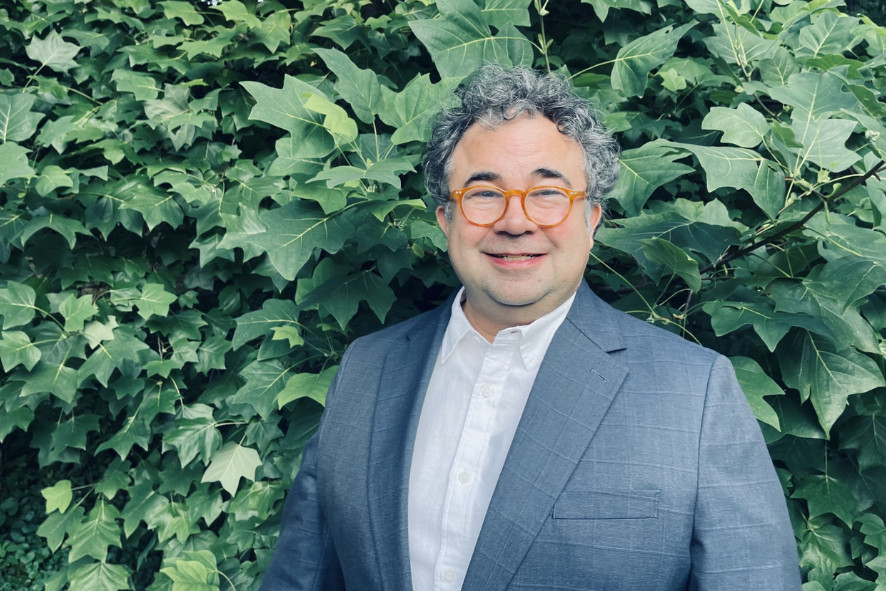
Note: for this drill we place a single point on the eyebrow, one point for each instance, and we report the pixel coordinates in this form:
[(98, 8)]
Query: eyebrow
[(543, 172)]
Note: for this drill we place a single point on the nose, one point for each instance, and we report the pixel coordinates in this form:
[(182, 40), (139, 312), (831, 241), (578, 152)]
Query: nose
[(514, 220)]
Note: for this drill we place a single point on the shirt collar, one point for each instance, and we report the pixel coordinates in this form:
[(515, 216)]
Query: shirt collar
[(533, 340)]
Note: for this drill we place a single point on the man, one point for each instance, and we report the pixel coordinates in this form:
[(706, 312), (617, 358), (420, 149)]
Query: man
[(526, 435)]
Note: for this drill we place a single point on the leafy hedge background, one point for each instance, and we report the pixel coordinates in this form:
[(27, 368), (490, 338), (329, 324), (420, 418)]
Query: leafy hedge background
[(203, 204)]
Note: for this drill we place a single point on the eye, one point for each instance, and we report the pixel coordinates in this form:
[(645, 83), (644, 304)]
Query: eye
[(483, 193), (548, 193)]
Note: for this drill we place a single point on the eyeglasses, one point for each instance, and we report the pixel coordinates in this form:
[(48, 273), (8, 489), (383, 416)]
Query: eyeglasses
[(546, 207)]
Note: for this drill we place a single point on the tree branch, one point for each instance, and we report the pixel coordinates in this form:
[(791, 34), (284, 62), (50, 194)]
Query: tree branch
[(730, 256)]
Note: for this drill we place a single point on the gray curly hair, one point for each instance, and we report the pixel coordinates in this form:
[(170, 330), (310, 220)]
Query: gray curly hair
[(496, 94)]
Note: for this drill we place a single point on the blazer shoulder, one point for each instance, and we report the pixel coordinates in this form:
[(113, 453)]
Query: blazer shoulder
[(616, 331)]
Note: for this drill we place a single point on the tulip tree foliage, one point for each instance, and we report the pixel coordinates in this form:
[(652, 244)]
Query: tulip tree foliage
[(203, 204)]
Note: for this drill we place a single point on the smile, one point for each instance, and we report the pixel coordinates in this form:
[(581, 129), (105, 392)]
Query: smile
[(515, 257)]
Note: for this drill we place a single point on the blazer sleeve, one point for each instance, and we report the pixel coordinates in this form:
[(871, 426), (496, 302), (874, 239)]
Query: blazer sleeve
[(305, 557), (742, 537)]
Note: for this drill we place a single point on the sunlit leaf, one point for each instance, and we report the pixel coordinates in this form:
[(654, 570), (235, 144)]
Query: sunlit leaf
[(307, 385), (17, 121), (53, 52), (231, 463)]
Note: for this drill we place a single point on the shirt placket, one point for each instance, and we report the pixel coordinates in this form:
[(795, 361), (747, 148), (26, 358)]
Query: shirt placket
[(461, 515)]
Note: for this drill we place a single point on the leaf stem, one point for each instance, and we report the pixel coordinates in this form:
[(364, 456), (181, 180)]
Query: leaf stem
[(731, 256)]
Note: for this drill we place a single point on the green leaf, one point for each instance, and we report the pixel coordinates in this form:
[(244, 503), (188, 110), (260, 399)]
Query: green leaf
[(867, 435), (411, 110), (51, 178), (264, 380), (601, 7), (100, 576), (124, 348), (295, 231), (823, 547), (307, 385), (230, 463), (814, 96), (724, 166), (196, 434), (289, 334), (142, 86), (16, 348), (17, 122), (133, 432), (55, 378), (740, 45), (459, 41), (658, 250), (867, 275), (237, 12), (156, 207), (66, 227), (93, 536), (193, 575), (182, 10), (274, 313), (53, 52), (756, 385), (275, 30), (643, 170), (827, 374), (830, 33), (743, 126), (771, 326), (285, 108), (13, 162), (154, 300), (144, 505), (76, 311), (702, 228), (825, 494), (769, 191), (498, 13), (636, 59), (360, 88), (175, 521), (58, 496), (335, 119), (57, 525)]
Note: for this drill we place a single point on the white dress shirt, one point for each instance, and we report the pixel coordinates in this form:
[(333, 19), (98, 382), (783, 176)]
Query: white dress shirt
[(470, 413)]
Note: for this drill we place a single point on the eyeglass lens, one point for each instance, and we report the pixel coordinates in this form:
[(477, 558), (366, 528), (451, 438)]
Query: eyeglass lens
[(543, 205)]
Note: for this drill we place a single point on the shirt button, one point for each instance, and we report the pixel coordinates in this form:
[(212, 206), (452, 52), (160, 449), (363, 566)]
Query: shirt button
[(464, 477), (449, 575), (487, 391)]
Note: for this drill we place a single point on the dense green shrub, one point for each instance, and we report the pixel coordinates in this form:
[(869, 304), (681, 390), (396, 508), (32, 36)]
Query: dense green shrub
[(203, 204)]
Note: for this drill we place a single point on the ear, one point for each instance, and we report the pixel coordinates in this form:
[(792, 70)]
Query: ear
[(594, 221), (441, 219)]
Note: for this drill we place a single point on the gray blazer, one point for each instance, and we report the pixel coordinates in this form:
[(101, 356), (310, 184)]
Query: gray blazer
[(637, 466)]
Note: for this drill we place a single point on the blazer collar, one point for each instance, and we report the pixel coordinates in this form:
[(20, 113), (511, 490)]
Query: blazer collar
[(405, 375), (573, 390), (574, 387)]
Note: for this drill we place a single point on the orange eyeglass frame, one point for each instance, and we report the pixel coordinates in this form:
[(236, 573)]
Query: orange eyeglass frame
[(458, 194)]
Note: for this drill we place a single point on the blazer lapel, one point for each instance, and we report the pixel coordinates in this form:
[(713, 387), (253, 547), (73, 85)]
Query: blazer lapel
[(404, 381), (575, 385)]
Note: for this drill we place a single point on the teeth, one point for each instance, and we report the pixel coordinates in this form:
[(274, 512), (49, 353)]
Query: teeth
[(515, 257)]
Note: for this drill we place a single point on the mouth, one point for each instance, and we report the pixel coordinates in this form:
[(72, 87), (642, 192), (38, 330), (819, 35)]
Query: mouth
[(514, 257)]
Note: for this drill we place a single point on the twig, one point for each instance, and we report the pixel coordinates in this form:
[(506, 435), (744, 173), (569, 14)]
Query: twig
[(728, 257)]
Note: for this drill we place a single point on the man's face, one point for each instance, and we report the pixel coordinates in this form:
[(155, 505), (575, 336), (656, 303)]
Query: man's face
[(513, 271)]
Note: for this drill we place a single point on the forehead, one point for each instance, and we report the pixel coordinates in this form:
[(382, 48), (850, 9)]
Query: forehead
[(519, 149)]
